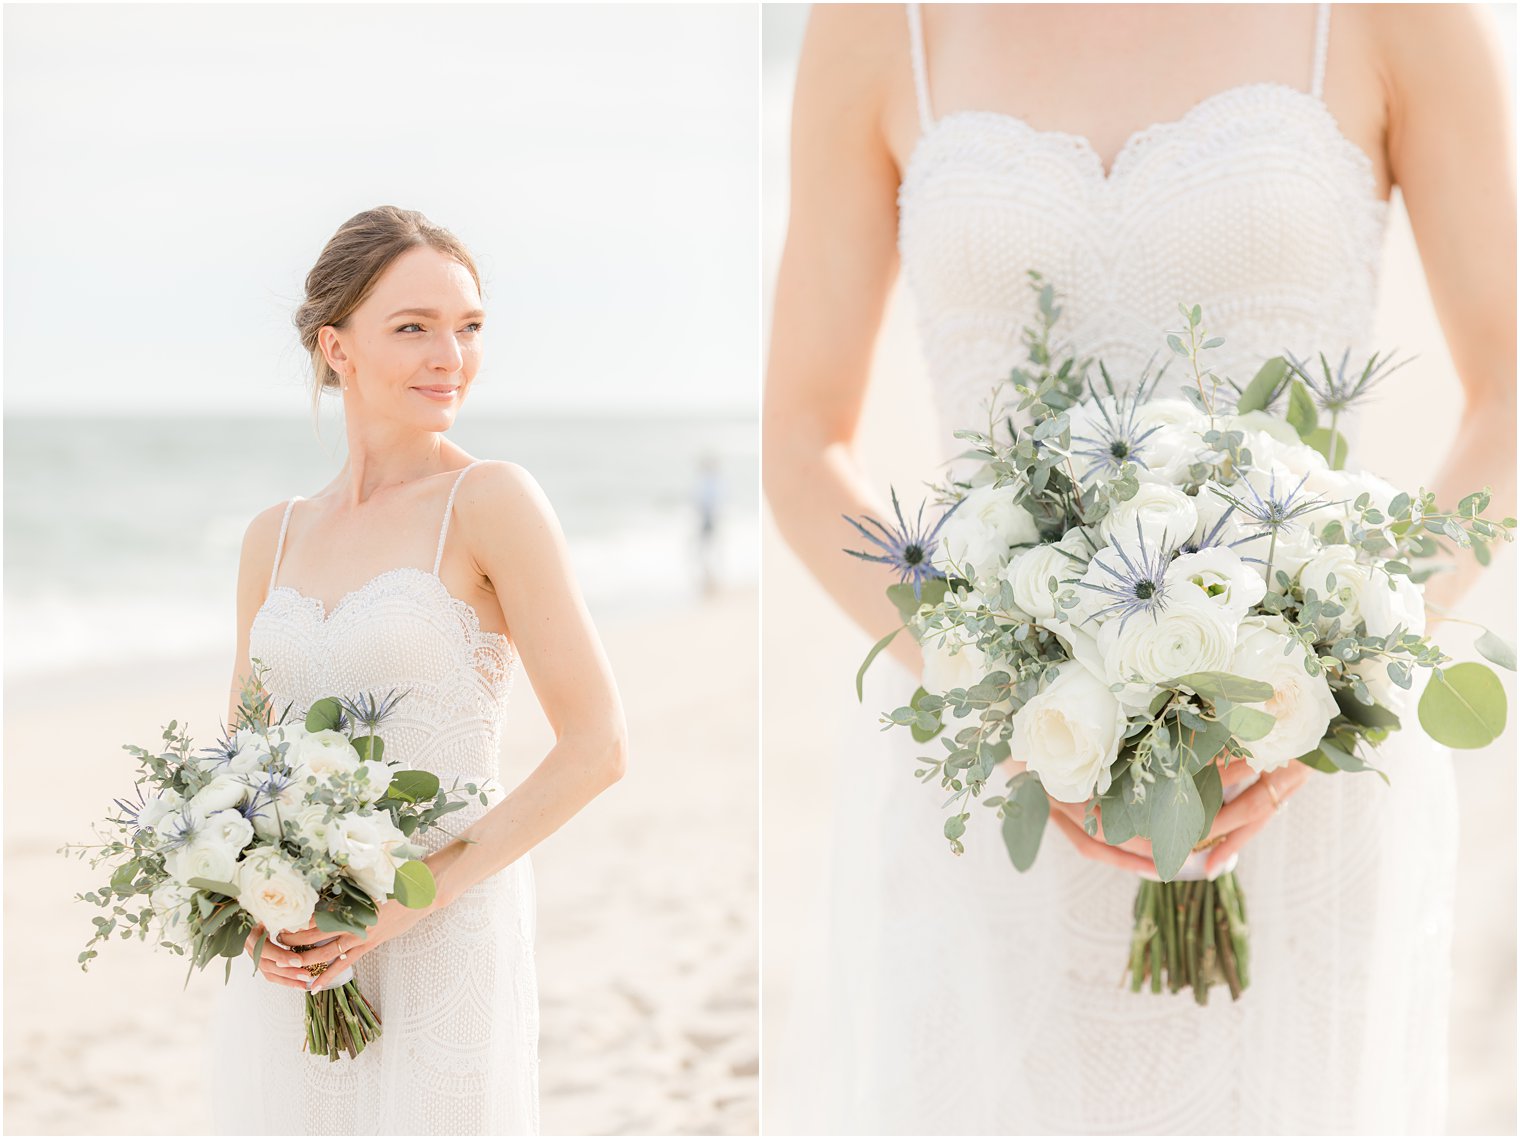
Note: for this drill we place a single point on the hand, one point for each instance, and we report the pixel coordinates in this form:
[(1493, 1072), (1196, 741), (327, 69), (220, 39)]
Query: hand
[(346, 948), (1240, 819), (277, 964)]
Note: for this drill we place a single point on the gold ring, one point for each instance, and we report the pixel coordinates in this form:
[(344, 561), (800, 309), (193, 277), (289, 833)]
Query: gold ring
[(318, 969), (1276, 802)]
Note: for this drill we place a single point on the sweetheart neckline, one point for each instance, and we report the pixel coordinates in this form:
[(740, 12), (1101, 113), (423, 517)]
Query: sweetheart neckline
[(325, 615), (1123, 160)]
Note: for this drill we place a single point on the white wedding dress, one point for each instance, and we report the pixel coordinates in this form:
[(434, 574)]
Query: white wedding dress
[(956, 995), (457, 993)]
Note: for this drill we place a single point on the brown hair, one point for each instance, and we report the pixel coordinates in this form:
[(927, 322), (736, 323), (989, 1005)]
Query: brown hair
[(351, 262)]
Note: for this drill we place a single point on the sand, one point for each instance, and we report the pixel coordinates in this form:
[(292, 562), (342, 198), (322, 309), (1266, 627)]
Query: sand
[(647, 944)]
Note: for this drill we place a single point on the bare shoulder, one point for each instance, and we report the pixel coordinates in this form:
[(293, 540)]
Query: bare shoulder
[(1426, 46), (259, 541), (848, 54), (502, 497)]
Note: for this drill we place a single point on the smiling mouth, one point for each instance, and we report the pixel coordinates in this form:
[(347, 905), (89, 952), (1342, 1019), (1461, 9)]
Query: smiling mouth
[(441, 393)]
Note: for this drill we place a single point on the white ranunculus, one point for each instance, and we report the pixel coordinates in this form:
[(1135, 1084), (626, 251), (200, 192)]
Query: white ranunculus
[(1380, 686), (270, 816), (1263, 423), (272, 888), (1291, 455), (1069, 734), (225, 791), (227, 828), (312, 826), (251, 752), (983, 531), (1176, 442), (158, 807), (1029, 574), (1250, 541), (203, 857), (1352, 582), (1392, 600), (1146, 651), (944, 669), (1302, 705), (170, 902), (1163, 515), (1214, 576), (321, 754)]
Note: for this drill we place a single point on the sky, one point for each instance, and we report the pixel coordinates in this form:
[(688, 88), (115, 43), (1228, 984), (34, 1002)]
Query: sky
[(172, 172)]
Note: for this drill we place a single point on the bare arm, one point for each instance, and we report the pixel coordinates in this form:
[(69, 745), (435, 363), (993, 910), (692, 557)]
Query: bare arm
[(254, 565), (837, 267), (516, 541), (1450, 147)]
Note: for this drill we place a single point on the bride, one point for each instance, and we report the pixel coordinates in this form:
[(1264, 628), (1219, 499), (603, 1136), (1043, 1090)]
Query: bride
[(970, 144), (420, 569)]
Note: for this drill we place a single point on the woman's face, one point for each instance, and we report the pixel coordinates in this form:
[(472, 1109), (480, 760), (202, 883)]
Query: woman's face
[(410, 352)]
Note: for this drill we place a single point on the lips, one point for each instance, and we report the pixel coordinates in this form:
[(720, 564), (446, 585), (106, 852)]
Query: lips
[(442, 393)]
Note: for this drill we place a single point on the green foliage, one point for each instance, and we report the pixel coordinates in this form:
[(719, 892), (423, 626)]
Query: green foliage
[(1024, 812), (1464, 706), (1176, 823), (412, 786), (1225, 686), (860, 676), (1496, 649), (415, 887), (1301, 412), (1264, 386), (324, 715)]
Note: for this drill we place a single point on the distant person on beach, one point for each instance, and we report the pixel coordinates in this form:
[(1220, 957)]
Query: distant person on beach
[(709, 497)]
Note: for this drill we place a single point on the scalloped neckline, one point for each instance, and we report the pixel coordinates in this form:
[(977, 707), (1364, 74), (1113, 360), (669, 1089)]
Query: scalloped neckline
[(325, 615), (1124, 160)]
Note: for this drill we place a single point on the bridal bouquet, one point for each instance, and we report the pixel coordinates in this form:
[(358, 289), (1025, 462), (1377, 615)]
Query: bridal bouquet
[(1132, 592), (277, 823)]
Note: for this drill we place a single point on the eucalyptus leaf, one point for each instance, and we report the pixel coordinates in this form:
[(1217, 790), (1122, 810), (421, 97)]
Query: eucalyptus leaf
[(1301, 412), (1320, 440), (227, 888), (1177, 818), (1319, 761), (1496, 649), (932, 592), (1464, 706), (1262, 386), (860, 677), (1225, 686), (1118, 823), (415, 887), (1247, 724), (1211, 792), (371, 749), (335, 921), (413, 786), (1367, 715), (324, 715), (1024, 816), (1200, 747)]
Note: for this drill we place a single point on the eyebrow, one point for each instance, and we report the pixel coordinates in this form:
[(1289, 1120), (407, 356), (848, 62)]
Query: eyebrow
[(430, 313)]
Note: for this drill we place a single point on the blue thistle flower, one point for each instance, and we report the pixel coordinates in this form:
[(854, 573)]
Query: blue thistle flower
[(366, 710), (1117, 435), (1139, 580), (1335, 393), (265, 792), (177, 829), (908, 549)]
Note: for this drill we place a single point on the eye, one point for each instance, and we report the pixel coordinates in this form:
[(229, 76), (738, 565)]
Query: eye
[(414, 324), (477, 325)]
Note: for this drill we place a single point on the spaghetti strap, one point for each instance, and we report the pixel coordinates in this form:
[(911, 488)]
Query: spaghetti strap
[(1321, 50), (448, 510), (920, 71), (280, 545)]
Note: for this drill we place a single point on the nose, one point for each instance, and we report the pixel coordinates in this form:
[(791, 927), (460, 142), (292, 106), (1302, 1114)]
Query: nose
[(448, 356)]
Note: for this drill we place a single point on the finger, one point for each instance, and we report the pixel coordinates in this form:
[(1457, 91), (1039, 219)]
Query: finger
[(1100, 851), (285, 975), (1236, 771), (299, 937), (1237, 839), (333, 951)]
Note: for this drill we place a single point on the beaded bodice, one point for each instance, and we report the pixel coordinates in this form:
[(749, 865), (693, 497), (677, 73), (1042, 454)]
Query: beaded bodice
[(1253, 205)]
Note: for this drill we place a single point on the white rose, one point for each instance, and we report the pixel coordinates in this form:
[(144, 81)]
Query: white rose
[(376, 880), (1029, 575), (227, 828), (312, 825), (202, 858), (1069, 734), (1148, 650), (225, 791), (170, 902), (983, 531), (272, 888), (1392, 600), (321, 754), (1165, 516), (1215, 576), (362, 840), (1302, 705), (1352, 583)]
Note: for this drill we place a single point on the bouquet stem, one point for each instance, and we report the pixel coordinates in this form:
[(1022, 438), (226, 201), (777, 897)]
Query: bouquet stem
[(1190, 934), (339, 1019)]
